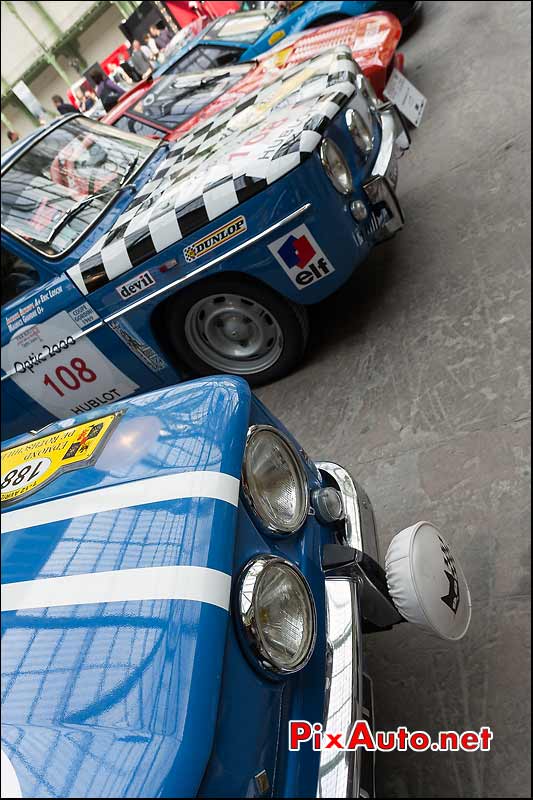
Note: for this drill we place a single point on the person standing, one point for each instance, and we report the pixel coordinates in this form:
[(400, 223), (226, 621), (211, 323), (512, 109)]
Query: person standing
[(106, 89), (121, 77), (86, 100), (13, 136), (62, 107), (151, 50), (161, 36), (139, 60)]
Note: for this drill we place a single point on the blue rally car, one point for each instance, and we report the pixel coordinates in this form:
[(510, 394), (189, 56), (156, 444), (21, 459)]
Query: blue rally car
[(127, 265), (180, 582), (248, 34)]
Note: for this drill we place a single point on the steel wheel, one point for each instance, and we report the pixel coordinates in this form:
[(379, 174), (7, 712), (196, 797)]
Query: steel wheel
[(233, 334)]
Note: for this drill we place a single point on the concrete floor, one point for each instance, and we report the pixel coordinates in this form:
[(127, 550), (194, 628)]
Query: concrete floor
[(417, 380)]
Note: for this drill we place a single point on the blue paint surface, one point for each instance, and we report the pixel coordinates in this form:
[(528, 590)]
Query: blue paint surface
[(120, 699), (155, 698)]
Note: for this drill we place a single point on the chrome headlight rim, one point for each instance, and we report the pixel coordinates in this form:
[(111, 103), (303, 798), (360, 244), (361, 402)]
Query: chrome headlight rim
[(359, 131), (326, 143), (253, 573), (365, 88), (276, 529)]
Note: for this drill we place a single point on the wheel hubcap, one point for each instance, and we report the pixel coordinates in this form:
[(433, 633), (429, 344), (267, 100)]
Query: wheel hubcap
[(233, 333)]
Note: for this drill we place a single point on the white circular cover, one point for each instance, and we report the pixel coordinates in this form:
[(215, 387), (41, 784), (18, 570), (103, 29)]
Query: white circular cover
[(426, 583)]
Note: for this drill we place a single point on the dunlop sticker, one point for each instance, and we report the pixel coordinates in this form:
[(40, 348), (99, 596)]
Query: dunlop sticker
[(214, 239), (27, 467)]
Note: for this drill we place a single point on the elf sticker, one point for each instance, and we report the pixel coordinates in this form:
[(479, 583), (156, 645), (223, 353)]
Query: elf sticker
[(301, 257)]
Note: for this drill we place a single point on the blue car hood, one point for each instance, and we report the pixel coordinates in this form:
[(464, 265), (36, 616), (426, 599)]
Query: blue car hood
[(115, 595), (221, 163)]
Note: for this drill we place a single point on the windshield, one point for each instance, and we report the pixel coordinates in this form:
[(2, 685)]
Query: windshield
[(72, 163), (206, 56), (176, 98), (245, 28)]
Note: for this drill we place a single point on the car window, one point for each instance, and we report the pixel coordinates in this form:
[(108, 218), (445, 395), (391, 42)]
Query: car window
[(244, 28), (18, 277), (206, 56), (127, 123), (63, 181), (176, 98)]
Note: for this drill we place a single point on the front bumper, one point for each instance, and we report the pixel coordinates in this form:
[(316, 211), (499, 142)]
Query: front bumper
[(387, 215), (348, 695)]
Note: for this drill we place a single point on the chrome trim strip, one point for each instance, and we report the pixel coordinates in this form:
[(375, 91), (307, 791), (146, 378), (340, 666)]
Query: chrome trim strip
[(79, 335), (213, 262), (388, 136), (352, 523), (197, 271), (339, 772)]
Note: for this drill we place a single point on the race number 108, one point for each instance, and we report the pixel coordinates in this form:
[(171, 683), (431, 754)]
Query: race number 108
[(71, 377)]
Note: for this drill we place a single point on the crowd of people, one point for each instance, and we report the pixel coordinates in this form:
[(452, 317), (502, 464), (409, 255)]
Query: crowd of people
[(106, 90)]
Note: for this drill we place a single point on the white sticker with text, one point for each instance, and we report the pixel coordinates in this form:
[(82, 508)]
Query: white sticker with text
[(63, 374), (405, 97)]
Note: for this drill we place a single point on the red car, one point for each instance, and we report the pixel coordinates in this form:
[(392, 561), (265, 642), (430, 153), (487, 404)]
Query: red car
[(169, 106)]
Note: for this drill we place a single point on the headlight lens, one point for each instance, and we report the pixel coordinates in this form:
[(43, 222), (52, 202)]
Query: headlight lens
[(361, 134), (274, 480), (335, 166), (277, 614)]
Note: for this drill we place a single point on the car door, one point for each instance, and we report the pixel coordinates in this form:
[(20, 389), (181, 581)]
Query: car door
[(59, 358)]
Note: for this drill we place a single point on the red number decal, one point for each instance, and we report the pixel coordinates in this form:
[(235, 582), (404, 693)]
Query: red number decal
[(49, 382), (67, 377), (86, 374), (61, 372)]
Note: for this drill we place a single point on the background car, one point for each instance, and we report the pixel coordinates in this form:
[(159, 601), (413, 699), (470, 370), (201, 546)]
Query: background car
[(245, 36), (197, 256), (172, 104), (179, 580)]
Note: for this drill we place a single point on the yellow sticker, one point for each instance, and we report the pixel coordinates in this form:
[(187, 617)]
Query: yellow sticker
[(276, 36), (28, 467), (286, 88), (282, 56)]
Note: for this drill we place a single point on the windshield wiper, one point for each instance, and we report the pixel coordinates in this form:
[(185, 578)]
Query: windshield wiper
[(192, 89), (129, 171), (72, 212)]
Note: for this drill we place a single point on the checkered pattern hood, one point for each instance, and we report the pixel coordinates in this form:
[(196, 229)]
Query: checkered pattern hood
[(220, 164)]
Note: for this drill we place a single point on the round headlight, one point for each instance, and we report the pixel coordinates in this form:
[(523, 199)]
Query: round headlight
[(274, 480), (335, 166), (277, 614), (361, 134)]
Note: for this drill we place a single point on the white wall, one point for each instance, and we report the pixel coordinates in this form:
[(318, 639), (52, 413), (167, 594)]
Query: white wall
[(19, 49), (102, 37)]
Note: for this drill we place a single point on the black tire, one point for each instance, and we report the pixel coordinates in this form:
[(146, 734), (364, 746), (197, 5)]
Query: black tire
[(290, 318)]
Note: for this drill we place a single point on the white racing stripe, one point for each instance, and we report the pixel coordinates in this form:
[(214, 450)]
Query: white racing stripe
[(10, 782), (178, 485), (202, 584)]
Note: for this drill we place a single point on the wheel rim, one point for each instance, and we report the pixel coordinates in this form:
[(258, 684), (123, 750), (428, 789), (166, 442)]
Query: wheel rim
[(233, 333)]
